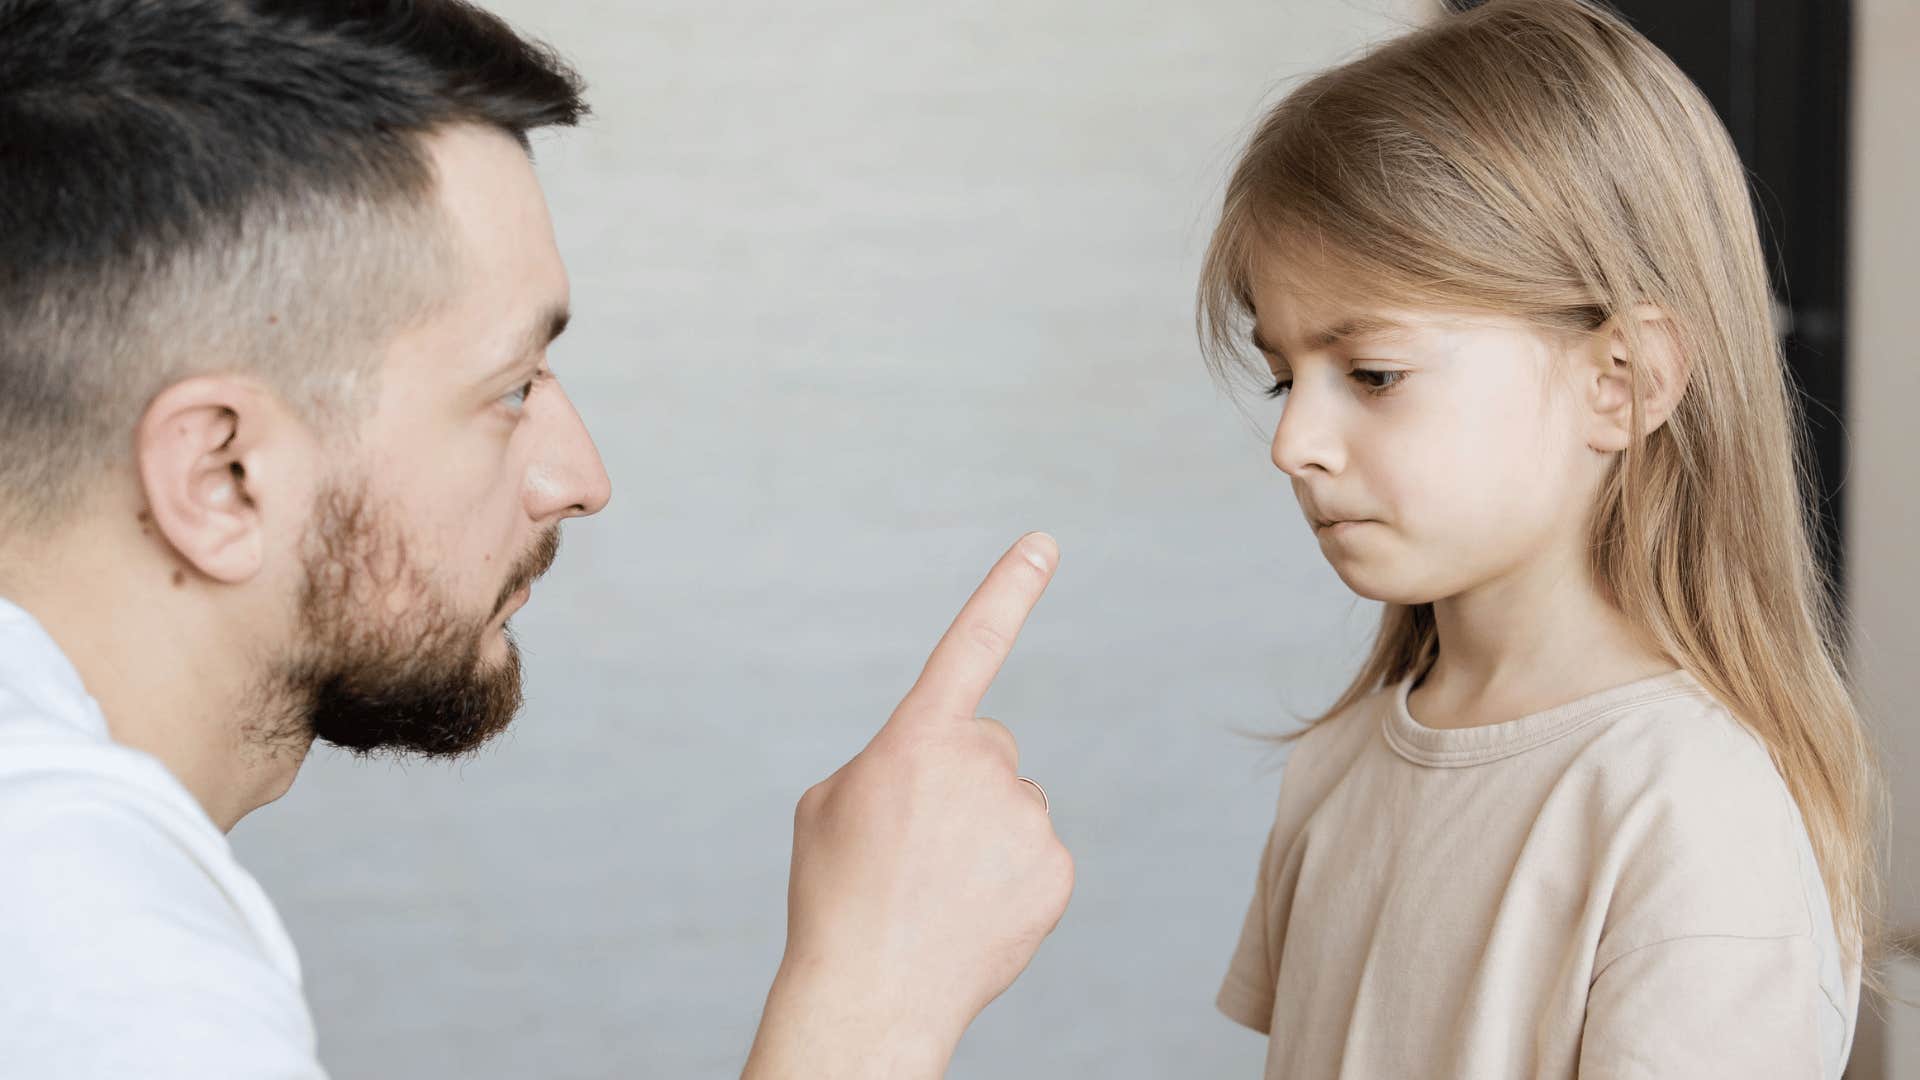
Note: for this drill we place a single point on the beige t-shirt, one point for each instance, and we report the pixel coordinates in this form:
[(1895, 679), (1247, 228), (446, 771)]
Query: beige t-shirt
[(1619, 887)]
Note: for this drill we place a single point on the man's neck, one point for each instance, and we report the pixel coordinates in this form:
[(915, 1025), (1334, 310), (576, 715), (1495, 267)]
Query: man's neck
[(152, 656)]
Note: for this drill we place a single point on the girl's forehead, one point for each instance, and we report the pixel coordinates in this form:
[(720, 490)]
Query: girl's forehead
[(1306, 297), (1290, 317), (1295, 283), (1288, 325)]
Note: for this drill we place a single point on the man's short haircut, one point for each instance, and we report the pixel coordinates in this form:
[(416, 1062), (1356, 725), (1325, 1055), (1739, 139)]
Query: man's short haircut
[(197, 186)]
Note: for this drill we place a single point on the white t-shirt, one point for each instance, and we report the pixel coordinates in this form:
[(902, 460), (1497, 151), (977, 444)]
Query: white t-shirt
[(131, 942), (1619, 887)]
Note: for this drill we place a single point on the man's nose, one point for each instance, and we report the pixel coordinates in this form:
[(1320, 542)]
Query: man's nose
[(567, 478), (1307, 438)]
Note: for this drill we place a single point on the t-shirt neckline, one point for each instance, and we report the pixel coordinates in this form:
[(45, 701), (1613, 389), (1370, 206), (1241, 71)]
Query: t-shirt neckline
[(1450, 747)]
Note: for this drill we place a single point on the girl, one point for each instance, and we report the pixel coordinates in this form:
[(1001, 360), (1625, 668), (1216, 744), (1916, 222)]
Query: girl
[(1598, 803)]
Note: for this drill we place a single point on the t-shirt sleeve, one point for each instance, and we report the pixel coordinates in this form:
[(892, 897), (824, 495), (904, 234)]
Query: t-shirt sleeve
[(122, 958), (1709, 1006), (1719, 957), (1246, 995)]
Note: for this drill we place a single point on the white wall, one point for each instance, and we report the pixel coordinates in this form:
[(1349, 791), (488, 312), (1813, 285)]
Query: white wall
[(1884, 524), (863, 290)]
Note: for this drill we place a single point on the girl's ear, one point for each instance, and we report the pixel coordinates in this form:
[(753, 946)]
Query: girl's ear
[(1635, 353)]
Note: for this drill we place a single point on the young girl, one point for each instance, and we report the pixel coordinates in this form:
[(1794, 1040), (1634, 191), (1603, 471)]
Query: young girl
[(1598, 803)]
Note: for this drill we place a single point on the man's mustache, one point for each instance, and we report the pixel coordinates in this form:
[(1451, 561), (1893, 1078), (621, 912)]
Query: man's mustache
[(531, 567)]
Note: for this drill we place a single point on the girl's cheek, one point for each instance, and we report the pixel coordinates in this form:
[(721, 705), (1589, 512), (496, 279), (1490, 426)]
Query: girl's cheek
[(1454, 480)]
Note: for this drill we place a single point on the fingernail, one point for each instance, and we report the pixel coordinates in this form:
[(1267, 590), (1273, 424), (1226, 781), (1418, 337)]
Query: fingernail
[(1040, 549)]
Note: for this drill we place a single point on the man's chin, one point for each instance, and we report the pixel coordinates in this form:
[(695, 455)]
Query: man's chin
[(410, 717), (437, 742), (428, 681)]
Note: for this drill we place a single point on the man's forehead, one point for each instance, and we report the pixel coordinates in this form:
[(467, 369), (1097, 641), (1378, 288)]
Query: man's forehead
[(484, 179), (512, 292), (517, 350)]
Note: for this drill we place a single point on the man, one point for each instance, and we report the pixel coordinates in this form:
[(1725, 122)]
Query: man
[(280, 456)]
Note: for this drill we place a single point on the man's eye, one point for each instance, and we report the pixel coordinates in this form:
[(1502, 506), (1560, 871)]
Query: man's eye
[(516, 398)]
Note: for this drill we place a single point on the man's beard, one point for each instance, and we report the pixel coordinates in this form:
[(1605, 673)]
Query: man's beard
[(368, 680)]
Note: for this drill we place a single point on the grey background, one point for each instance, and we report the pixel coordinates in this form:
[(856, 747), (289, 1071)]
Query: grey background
[(1884, 527), (863, 291)]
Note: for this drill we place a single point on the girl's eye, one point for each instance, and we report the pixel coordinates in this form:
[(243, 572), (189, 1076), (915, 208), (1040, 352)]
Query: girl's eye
[(516, 398), (1377, 382), (1280, 388)]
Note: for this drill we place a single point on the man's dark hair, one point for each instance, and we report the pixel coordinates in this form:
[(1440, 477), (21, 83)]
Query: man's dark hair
[(189, 186)]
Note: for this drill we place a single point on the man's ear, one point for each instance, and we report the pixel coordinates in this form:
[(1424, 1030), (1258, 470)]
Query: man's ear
[(205, 454), (1634, 353)]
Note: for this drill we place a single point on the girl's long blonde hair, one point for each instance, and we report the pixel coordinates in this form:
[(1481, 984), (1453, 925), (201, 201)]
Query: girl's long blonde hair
[(1540, 158)]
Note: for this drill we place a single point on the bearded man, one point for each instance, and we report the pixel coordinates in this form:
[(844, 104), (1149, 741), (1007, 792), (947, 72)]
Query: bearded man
[(281, 455)]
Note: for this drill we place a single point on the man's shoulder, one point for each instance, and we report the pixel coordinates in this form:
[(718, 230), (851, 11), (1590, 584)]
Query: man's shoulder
[(91, 812), (102, 841), (68, 785), (129, 934), (91, 828)]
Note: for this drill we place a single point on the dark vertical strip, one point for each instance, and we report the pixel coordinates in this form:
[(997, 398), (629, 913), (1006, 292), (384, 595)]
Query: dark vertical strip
[(1779, 73), (1740, 111)]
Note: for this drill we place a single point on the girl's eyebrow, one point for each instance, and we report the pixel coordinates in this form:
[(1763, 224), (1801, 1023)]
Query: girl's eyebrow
[(1353, 327)]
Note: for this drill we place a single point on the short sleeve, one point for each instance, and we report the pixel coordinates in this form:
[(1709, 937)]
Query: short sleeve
[(122, 958), (1246, 995), (1314, 763), (1711, 1006), (1719, 957)]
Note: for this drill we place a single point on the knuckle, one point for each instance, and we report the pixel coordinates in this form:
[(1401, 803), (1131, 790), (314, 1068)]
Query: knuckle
[(899, 750), (1062, 869), (986, 637), (1000, 737), (902, 764), (811, 803)]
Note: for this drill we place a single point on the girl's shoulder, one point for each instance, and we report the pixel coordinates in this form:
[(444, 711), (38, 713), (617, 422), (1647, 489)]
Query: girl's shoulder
[(1694, 828), (1343, 730), (1679, 750), (1320, 753)]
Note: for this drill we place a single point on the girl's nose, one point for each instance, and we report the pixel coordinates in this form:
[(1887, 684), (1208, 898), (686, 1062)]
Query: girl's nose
[(1307, 438)]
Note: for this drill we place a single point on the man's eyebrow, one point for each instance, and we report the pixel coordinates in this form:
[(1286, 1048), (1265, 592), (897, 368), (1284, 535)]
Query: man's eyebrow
[(547, 326), (1356, 326)]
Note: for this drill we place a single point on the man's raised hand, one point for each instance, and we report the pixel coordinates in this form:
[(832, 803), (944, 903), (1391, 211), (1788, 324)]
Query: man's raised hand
[(925, 875)]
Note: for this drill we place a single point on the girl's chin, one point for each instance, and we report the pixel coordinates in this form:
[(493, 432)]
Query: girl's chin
[(1377, 581), (1389, 595)]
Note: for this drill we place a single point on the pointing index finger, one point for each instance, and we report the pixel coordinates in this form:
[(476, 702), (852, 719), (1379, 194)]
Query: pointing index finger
[(968, 657)]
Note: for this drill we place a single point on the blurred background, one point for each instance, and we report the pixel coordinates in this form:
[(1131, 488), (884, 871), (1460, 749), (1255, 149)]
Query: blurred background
[(862, 292)]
